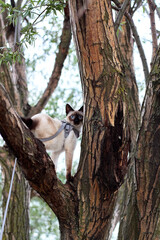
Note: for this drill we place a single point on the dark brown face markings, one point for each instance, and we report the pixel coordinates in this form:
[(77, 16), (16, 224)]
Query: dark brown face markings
[(76, 118)]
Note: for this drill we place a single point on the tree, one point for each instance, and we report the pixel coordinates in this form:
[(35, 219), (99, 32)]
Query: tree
[(85, 206)]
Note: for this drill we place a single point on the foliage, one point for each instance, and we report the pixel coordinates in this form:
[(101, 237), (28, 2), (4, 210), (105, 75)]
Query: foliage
[(43, 222), (120, 28), (7, 55), (31, 13)]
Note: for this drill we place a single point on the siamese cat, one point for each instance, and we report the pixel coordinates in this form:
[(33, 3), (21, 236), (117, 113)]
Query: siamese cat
[(58, 136)]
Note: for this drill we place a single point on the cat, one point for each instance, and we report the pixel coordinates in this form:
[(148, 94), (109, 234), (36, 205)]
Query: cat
[(44, 127)]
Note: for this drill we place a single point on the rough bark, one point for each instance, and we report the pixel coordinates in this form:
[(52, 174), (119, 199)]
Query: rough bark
[(105, 144), (5, 73), (144, 222), (148, 161), (127, 191)]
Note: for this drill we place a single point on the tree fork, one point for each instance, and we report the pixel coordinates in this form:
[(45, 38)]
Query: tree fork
[(36, 165)]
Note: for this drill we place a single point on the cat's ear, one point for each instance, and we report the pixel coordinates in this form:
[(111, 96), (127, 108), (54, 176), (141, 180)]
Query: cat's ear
[(68, 108), (81, 109), (28, 122)]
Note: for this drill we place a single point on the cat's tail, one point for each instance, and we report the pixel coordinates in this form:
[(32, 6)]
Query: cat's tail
[(28, 122)]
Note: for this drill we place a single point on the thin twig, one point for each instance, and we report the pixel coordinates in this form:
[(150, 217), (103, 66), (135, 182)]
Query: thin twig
[(39, 16)]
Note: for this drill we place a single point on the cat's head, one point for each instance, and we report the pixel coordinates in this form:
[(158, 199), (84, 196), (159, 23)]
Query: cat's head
[(74, 117)]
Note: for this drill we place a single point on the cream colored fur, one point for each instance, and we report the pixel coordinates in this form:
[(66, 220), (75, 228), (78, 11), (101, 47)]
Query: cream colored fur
[(46, 127)]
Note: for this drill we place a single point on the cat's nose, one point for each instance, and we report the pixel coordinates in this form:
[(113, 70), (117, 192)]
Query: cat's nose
[(76, 121)]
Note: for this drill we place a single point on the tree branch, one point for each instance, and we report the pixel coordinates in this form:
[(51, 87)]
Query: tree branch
[(121, 13), (140, 47), (138, 41), (136, 5), (17, 34), (152, 8), (60, 58), (35, 163)]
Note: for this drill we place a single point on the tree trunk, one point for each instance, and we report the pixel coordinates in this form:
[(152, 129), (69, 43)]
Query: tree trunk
[(127, 190), (105, 143), (144, 222), (148, 161), (17, 224)]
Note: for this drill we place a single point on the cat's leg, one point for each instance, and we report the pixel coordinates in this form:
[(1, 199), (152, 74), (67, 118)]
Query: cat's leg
[(55, 156), (69, 158)]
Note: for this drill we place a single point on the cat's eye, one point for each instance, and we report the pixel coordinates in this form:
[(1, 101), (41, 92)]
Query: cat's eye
[(72, 117), (80, 117)]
